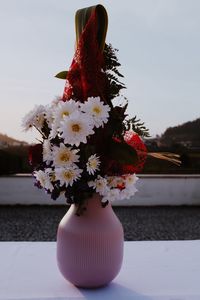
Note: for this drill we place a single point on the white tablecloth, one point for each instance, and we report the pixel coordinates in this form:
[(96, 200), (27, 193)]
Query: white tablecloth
[(155, 270)]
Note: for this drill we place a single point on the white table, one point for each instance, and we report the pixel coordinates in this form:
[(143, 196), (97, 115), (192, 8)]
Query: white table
[(157, 270)]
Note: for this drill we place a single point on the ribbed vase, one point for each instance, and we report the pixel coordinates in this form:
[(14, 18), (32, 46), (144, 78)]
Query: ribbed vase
[(90, 247)]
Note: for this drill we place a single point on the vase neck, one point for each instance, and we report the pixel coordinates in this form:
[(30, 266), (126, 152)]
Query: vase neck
[(94, 207)]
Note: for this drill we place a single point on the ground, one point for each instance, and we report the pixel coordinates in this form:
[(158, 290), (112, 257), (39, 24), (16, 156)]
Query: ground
[(39, 223)]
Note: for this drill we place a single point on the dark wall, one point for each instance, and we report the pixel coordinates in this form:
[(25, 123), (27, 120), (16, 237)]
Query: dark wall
[(14, 160)]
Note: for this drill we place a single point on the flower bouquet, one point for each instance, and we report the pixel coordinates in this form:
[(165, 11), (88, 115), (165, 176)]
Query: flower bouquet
[(88, 144)]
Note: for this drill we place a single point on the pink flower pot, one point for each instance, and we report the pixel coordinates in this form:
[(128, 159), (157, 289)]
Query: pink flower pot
[(90, 247)]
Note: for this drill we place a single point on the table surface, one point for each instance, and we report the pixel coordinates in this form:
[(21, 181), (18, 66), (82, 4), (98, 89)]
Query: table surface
[(152, 270)]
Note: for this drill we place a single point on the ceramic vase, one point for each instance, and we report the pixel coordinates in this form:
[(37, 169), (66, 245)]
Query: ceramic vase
[(90, 246)]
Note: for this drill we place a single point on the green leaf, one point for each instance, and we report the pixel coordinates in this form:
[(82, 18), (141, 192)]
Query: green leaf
[(123, 153), (62, 75), (137, 126), (82, 17)]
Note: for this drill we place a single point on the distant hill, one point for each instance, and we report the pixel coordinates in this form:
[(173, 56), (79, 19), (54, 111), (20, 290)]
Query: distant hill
[(6, 141), (187, 134)]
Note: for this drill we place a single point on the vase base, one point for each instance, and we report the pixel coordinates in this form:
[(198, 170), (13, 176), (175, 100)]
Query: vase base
[(93, 287)]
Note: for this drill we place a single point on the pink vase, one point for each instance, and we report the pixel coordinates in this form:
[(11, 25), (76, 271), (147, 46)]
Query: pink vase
[(90, 247)]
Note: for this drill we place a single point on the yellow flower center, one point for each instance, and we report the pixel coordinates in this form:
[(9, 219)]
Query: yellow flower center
[(68, 175), (76, 127), (99, 185), (93, 164), (96, 109), (65, 114), (65, 156), (130, 179), (53, 176)]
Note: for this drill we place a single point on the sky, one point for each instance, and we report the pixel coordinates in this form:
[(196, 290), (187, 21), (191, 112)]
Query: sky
[(159, 50)]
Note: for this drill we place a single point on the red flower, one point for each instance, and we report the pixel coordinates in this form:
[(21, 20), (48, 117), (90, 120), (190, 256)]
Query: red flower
[(112, 166), (133, 140)]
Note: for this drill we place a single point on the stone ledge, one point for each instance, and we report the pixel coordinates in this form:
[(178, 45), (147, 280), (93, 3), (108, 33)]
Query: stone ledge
[(152, 190)]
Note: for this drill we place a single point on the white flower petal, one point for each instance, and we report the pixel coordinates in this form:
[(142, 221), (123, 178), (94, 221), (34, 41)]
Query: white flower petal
[(67, 176), (75, 129), (35, 117), (111, 195), (65, 109), (47, 153), (64, 156), (95, 108), (127, 193), (61, 111), (44, 179), (93, 164), (131, 179), (100, 185)]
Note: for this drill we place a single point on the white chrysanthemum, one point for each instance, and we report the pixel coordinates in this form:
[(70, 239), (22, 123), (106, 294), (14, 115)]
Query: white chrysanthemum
[(116, 182), (43, 179), (60, 112), (51, 174), (76, 128), (64, 156), (112, 195), (97, 110), (93, 164), (128, 192), (35, 118), (47, 153), (48, 185), (67, 176), (65, 109), (49, 116), (54, 129), (111, 181), (100, 185), (130, 180), (55, 102)]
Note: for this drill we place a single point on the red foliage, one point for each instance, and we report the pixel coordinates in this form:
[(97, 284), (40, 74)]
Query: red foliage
[(133, 140), (85, 78)]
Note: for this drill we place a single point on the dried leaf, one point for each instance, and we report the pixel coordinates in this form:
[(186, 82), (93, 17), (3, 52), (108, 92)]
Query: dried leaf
[(171, 157)]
